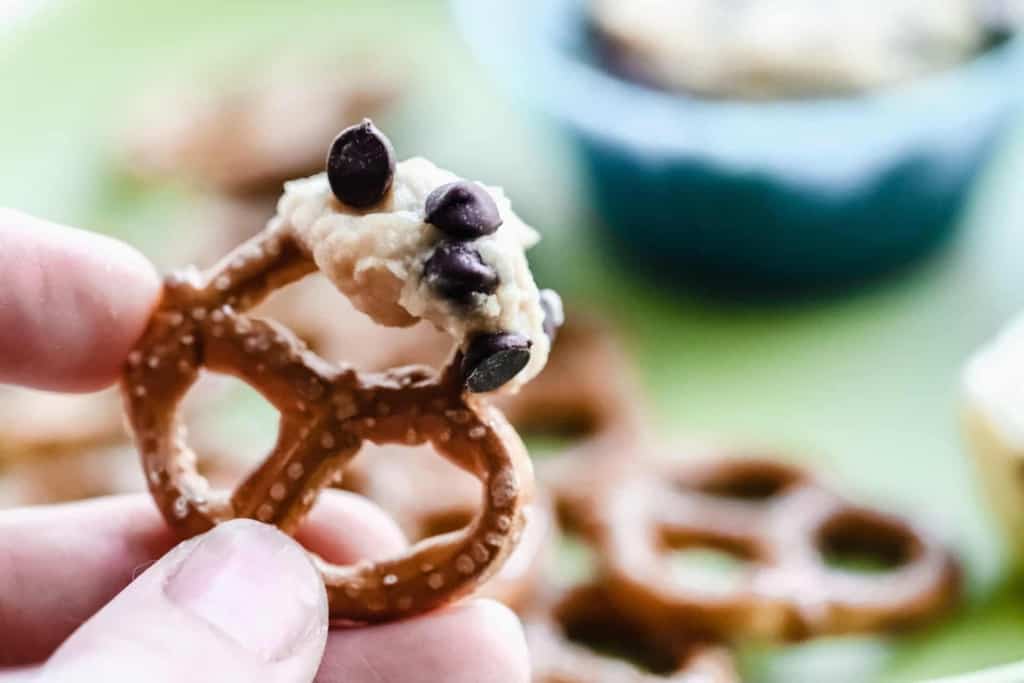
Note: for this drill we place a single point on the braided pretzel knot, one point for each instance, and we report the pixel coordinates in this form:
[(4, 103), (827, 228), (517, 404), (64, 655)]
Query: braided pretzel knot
[(327, 412), (785, 524), (585, 613)]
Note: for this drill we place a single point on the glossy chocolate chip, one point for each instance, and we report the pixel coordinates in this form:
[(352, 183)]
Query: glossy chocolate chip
[(360, 165), (554, 313), (492, 359), (463, 210), (455, 270)]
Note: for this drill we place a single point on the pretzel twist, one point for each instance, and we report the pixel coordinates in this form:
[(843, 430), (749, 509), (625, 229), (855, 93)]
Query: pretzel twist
[(784, 523), (327, 412), (585, 613)]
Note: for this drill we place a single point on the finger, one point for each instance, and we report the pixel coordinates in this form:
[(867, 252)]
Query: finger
[(22, 675), (72, 304), (242, 602), (480, 641), (59, 564)]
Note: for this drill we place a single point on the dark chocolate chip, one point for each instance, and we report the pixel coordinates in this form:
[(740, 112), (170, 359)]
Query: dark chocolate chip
[(492, 359), (463, 210), (554, 313), (455, 270), (360, 165)]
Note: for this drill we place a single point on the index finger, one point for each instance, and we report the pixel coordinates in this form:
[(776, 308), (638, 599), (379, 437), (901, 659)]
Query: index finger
[(72, 304)]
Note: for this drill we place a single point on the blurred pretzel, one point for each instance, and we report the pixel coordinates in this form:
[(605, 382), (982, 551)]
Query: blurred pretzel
[(327, 412), (785, 525), (587, 388), (570, 643), (588, 397), (69, 475), (249, 138), (39, 424)]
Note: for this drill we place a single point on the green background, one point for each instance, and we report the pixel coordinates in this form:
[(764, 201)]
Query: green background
[(865, 386)]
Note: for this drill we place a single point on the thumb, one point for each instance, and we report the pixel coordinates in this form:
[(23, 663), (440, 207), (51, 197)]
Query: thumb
[(239, 603)]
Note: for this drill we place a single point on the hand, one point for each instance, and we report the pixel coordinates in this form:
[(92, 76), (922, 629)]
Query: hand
[(240, 603)]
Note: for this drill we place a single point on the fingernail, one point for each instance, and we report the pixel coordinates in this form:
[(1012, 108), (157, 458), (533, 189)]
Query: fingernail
[(254, 585)]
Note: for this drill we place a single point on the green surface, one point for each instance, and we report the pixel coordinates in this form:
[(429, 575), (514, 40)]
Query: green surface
[(864, 386)]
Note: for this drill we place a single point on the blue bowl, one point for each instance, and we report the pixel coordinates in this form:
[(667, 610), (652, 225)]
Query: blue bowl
[(779, 195)]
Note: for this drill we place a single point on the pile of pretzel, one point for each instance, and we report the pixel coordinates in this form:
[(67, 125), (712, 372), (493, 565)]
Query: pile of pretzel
[(487, 528), (632, 507), (478, 521), (634, 503)]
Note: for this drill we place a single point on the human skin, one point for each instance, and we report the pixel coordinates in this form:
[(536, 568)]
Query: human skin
[(103, 590)]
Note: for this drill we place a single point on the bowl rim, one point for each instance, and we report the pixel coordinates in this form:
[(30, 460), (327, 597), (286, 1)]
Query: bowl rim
[(508, 36)]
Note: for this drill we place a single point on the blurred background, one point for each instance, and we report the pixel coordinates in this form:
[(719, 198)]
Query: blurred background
[(686, 220)]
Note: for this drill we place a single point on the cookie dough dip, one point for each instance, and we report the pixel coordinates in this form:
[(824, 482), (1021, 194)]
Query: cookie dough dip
[(760, 49), (993, 390), (410, 241)]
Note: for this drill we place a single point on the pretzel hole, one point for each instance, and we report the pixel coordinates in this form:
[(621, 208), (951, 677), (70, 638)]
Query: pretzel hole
[(446, 521), (583, 623), (709, 570), (422, 490), (709, 563), (859, 543), (549, 444), (749, 482), (231, 427), (337, 331), (565, 424), (575, 560)]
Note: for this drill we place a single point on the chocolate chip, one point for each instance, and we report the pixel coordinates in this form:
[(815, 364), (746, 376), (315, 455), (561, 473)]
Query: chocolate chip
[(360, 165), (455, 270), (492, 359), (463, 210), (554, 313)]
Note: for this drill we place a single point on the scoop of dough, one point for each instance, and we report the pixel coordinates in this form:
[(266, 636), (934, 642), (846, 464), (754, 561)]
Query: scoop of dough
[(376, 257), (782, 48)]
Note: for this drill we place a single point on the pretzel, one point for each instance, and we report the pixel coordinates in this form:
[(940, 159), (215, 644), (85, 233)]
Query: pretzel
[(784, 524), (397, 478), (249, 138), (585, 613), (69, 475), (40, 424), (588, 394), (328, 411)]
